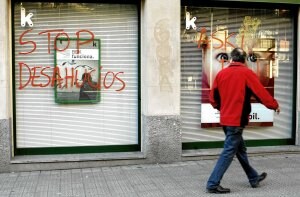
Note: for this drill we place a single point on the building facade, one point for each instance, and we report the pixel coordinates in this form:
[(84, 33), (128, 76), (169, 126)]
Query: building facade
[(126, 81)]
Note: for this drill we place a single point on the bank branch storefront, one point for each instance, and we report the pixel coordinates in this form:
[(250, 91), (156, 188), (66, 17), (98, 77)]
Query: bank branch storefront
[(75, 77), (208, 34), (87, 84)]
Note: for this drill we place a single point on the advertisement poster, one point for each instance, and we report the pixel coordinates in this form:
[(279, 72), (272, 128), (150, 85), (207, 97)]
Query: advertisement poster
[(216, 48), (77, 71)]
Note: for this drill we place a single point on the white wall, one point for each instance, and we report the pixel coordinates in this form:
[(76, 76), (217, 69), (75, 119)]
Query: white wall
[(160, 57), (298, 84), (5, 54)]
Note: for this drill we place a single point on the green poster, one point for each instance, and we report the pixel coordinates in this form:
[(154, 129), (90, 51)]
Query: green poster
[(77, 71)]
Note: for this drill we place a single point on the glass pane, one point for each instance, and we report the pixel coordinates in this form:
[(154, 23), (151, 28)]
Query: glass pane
[(207, 37)]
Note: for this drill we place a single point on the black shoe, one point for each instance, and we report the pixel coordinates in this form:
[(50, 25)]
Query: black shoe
[(218, 190), (259, 179)]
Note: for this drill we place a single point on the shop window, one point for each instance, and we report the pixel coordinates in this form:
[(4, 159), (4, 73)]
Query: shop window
[(75, 77), (208, 35)]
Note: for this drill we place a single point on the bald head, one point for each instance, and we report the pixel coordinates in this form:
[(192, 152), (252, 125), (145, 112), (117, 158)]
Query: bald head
[(238, 55)]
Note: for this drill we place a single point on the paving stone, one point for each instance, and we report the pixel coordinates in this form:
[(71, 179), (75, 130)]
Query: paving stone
[(150, 194), (41, 194), (182, 179), (30, 194)]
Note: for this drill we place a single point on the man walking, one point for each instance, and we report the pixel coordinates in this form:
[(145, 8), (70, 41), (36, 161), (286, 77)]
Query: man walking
[(231, 93)]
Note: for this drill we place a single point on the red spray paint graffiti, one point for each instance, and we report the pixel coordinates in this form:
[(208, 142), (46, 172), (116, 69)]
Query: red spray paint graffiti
[(110, 79)]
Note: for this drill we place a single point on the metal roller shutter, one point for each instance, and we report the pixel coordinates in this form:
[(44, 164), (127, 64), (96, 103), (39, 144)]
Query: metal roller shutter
[(40, 122)]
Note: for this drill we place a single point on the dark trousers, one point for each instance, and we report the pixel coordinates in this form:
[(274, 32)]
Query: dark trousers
[(233, 145)]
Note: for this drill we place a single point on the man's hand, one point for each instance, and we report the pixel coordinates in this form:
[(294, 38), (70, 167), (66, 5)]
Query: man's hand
[(277, 110)]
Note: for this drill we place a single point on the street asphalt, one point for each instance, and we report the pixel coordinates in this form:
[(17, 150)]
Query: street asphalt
[(180, 179)]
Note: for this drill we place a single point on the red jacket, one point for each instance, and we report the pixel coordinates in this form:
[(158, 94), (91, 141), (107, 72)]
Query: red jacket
[(231, 92)]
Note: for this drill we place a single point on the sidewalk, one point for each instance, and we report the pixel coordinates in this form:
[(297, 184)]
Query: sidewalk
[(186, 179)]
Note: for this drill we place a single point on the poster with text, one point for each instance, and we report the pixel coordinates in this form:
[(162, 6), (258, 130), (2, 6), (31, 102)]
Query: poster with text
[(77, 71), (216, 46)]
